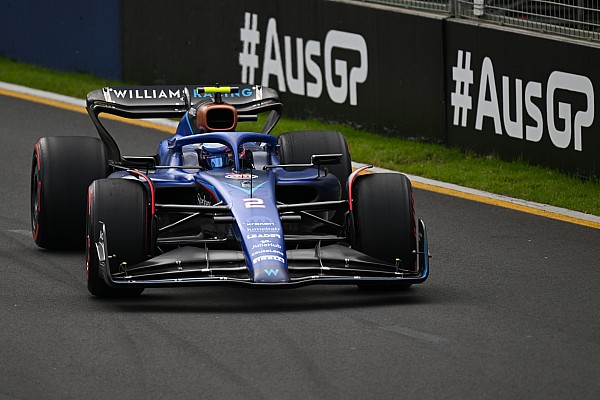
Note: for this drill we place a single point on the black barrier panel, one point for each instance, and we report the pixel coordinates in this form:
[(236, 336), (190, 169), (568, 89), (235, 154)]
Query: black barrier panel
[(377, 67), (522, 95), (68, 35)]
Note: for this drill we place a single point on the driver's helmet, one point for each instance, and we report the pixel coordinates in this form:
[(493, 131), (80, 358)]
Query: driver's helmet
[(214, 155)]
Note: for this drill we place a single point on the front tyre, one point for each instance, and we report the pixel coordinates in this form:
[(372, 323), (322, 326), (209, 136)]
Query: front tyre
[(122, 206), (384, 221)]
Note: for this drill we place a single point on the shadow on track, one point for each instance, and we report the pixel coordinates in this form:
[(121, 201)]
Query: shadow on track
[(243, 300)]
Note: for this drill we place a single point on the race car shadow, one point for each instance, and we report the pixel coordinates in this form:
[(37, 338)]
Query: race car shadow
[(243, 300)]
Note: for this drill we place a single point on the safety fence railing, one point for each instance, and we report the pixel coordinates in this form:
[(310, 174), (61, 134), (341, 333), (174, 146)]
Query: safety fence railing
[(427, 5), (575, 18)]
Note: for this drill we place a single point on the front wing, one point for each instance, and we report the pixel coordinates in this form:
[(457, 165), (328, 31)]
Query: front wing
[(193, 266)]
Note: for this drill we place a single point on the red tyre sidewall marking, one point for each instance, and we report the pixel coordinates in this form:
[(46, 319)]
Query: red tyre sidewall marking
[(36, 233), (152, 204), (351, 179), (89, 239), (151, 185)]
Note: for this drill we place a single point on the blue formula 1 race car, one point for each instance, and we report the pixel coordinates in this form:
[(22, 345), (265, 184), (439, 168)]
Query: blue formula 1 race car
[(217, 205)]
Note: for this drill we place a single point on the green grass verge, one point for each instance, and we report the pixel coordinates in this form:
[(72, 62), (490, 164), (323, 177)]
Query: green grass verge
[(516, 179)]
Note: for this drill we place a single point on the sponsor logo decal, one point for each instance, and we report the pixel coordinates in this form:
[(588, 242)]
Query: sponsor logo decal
[(146, 93), (265, 244), (263, 229), (341, 79), (159, 93), (568, 109), (272, 271), (245, 92), (262, 226), (259, 221), (267, 258), (266, 251), (202, 200), (241, 176), (263, 235)]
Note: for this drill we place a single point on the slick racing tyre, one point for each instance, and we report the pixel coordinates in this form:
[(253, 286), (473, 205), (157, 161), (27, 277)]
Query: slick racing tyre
[(61, 171), (120, 206), (384, 221), (297, 148)]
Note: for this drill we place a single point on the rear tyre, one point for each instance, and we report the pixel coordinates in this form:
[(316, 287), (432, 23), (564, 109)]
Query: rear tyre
[(61, 171), (385, 221), (297, 148), (122, 206)]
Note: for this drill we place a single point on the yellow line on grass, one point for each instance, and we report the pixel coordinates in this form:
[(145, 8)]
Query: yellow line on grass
[(418, 185), (506, 204)]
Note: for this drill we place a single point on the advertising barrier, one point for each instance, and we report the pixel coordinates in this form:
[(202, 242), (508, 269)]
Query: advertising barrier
[(516, 95), (373, 66)]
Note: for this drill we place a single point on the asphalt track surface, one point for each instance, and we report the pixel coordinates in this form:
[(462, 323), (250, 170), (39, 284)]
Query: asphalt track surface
[(511, 311)]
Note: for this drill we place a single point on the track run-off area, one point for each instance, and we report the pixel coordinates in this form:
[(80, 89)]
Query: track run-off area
[(511, 308)]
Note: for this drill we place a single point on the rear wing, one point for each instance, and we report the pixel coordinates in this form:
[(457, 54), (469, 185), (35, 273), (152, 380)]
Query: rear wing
[(173, 102)]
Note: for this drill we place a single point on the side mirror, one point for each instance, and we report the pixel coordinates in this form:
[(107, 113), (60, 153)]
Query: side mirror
[(325, 159), (316, 160)]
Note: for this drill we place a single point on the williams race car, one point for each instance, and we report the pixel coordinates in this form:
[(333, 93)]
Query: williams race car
[(216, 205)]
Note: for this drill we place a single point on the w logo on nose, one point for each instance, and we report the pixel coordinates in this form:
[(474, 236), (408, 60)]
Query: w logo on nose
[(272, 272)]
